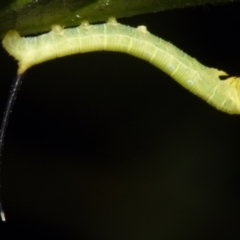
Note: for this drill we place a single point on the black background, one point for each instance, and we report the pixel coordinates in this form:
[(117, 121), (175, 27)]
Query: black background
[(106, 146)]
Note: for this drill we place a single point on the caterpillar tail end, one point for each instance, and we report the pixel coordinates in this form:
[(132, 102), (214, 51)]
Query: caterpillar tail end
[(10, 42)]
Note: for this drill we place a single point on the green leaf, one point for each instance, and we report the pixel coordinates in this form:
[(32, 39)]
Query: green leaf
[(35, 16)]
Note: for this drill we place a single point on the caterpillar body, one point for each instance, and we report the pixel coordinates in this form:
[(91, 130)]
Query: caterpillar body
[(203, 81)]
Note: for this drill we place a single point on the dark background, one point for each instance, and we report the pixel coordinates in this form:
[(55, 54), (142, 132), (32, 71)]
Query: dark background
[(104, 146)]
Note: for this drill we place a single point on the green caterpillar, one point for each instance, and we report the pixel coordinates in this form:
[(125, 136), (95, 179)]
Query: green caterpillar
[(203, 81)]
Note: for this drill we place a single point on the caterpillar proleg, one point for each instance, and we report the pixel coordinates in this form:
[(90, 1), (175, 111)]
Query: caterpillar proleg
[(203, 81)]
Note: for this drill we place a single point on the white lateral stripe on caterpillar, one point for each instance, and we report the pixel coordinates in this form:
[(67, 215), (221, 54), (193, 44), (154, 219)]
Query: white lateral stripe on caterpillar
[(203, 81)]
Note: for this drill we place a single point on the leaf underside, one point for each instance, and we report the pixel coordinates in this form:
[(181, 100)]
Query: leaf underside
[(36, 16)]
